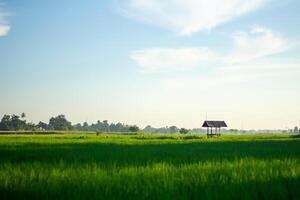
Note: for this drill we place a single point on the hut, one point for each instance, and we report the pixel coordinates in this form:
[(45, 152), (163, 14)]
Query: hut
[(214, 124)]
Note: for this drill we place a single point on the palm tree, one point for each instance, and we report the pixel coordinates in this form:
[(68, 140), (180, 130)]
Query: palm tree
[(23, 115)]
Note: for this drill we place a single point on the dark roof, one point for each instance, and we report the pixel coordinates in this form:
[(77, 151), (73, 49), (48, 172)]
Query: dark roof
[(217, 124)]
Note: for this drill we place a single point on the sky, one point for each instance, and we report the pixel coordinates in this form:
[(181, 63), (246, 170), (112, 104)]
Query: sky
[(152, 62)]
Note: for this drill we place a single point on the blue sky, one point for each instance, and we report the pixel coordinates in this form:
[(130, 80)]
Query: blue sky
[(152, 62)]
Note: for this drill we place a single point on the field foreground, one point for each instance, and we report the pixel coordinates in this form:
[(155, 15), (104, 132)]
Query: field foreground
[(110, 166)]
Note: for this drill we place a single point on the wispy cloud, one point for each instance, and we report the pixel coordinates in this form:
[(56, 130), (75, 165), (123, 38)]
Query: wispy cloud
[(248, 46), (4, 27), (233, 77), (207, 83), (251, 59), (186, 17), (258, 42), (171, 59), (263, 66)]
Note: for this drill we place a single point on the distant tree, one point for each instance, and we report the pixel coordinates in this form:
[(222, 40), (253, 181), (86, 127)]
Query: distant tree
[(183, 131), (85, 126), (113, 127), (102, 127), (296, 130), (134, 128), (12, 123), (99, 126), (60, 123), (173, 129), (42, 125), (77, 127), (233, 130), (23, 115), (149, 129), (17, 123), (106, 126), (121, 128), (5, 123), (30, 126)]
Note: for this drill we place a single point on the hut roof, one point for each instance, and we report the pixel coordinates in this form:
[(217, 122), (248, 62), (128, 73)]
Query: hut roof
[(217, 124)]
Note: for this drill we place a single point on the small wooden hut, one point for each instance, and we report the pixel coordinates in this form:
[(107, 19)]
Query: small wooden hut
[(217, 125)]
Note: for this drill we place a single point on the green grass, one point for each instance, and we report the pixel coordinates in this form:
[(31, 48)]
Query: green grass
[(114, 166)]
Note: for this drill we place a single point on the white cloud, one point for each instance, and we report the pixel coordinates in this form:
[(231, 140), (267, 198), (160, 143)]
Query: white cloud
[(248, 47), (186, 17), (171, 59), (4, 27), (259, 42)]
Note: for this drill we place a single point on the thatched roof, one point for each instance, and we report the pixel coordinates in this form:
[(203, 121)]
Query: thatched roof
[(217, 124)]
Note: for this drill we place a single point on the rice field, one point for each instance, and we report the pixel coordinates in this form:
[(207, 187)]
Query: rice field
[(114, 166)]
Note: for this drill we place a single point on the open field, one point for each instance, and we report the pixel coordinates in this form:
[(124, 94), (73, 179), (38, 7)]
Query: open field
[(111, 166)]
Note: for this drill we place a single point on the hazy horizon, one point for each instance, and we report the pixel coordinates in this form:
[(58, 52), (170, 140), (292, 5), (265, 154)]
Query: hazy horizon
[(151, 62)]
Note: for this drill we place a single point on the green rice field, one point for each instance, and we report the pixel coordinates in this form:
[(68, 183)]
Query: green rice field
[(140, 166)]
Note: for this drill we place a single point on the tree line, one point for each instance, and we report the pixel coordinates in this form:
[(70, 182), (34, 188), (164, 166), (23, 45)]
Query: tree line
[(60, 123)]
